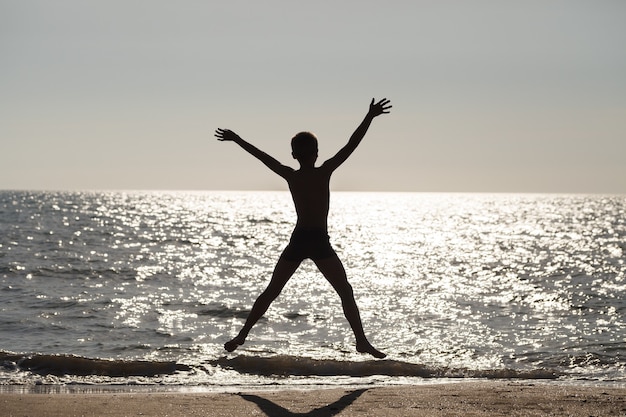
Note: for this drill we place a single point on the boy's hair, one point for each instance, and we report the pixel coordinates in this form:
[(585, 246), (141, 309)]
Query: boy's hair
[(304, 144)]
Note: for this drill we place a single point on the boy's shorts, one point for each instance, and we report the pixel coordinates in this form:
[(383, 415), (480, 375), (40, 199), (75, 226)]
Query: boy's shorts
[(311, 244)]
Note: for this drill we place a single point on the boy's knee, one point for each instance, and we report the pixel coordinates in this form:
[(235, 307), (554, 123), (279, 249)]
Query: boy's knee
[(269, 295), (345, 290)]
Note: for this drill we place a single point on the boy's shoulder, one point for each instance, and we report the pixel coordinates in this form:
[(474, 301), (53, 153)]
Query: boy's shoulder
[(309, 178), (311, 172)]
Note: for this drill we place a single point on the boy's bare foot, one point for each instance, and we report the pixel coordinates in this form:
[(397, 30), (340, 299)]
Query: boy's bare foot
[(366, 347), (234, 344)]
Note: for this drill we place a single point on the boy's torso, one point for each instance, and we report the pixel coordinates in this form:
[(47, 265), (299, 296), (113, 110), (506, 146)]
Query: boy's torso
[(310, 190)]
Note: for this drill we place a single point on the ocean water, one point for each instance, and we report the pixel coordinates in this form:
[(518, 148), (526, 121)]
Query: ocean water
[(133, 288)]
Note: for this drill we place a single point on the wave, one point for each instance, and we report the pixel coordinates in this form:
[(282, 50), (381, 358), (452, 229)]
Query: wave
[(277, 366), (224, 312), (300, 366), (59, 365)]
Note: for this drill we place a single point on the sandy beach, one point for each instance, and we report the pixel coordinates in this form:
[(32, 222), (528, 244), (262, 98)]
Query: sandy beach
[(493, 398)]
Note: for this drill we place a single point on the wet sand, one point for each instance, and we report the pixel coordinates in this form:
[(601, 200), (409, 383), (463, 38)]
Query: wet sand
[(492, 398)]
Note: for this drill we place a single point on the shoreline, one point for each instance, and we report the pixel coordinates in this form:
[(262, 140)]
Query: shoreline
[(96, 388), (467, 398)]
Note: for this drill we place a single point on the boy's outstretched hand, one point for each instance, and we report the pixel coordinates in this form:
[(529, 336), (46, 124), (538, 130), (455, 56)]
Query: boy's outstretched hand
[(382, 107), (226, 135)]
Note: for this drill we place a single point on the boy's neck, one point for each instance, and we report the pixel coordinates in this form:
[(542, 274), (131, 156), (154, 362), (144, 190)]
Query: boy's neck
[(307, 163)]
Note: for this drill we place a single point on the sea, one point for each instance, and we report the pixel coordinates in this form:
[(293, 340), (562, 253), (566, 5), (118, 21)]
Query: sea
[(122, 289)]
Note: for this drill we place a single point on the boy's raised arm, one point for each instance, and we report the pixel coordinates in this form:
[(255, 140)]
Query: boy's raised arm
[(226, 135), (376, 109)]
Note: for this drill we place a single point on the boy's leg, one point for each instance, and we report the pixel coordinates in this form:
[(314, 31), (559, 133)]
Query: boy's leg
[(334, 272), (282, 272)]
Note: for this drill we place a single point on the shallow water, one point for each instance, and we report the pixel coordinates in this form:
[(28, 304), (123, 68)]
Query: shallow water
[(449, 285)]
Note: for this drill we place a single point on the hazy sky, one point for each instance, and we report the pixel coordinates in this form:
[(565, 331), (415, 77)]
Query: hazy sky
[(513, 96)]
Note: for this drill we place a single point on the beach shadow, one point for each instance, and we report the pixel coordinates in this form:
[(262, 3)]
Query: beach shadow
[(271, 409)]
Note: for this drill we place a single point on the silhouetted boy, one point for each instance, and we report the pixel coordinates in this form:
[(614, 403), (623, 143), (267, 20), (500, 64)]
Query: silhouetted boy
[(310, 191)]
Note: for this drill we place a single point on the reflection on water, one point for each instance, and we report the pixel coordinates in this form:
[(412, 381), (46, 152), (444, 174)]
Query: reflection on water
[(445, 280)]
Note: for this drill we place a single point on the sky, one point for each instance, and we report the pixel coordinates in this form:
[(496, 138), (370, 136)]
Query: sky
[(488, 96)]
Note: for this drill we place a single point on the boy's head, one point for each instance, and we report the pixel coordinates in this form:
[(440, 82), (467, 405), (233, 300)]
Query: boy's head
[(304, 146)]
